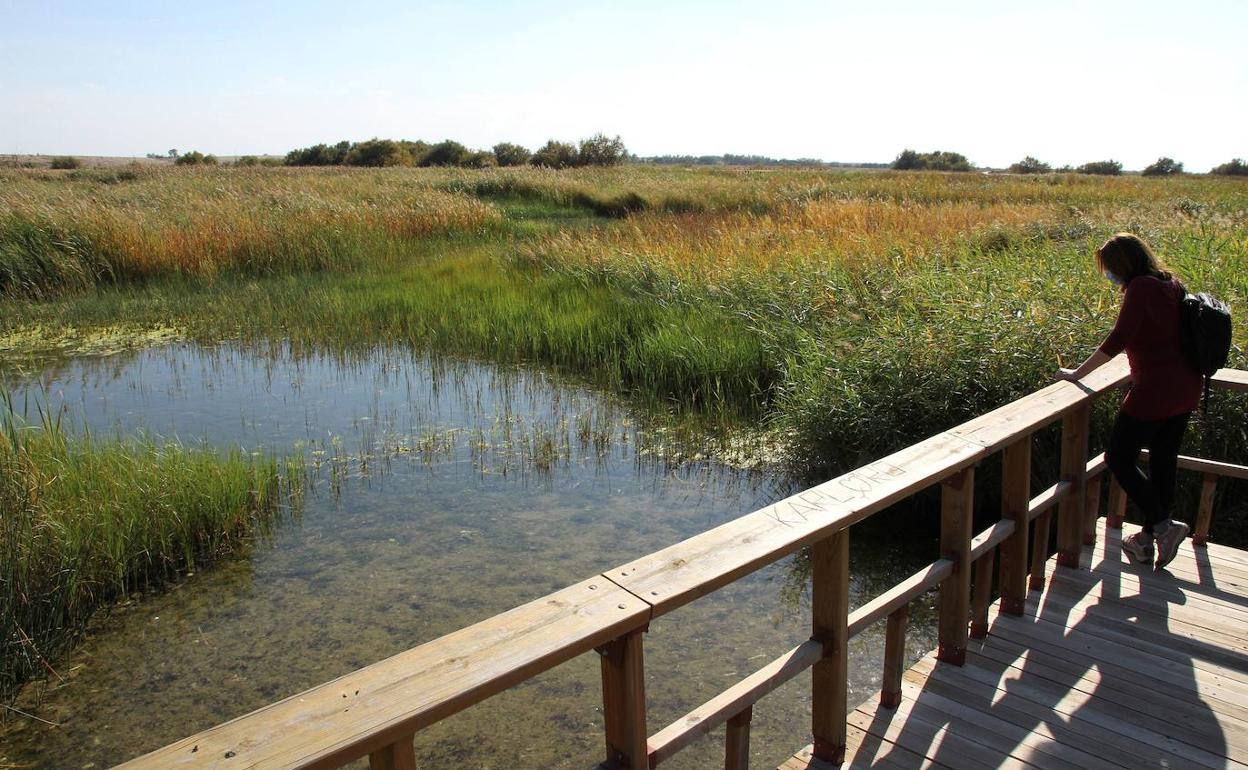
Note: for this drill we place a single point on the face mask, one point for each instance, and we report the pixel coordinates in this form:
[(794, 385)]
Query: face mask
[(1113, 278)]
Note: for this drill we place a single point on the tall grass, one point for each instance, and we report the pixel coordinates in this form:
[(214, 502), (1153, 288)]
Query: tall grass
[(84, 521), (72, 233)]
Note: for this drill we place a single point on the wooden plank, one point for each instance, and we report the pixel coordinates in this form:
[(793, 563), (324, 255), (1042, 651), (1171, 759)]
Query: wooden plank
[(1078, 707), (1087, 736), (685, 730), (1150, 707), (956, 507), (681, 573), (1130, 694), (894, 656), (1145, 659), (1020, 418), (1029, 742), (396, 756), (982, 596), (1015, 501), (1230, 379), (899, 595), (737, 741), (374, 707), (1114, 680), (1070, 508), (624, 702), (1213, 572), (1175, 603), (926, 716), (1203, 646), (829, 610), (936, 741), (863, 751)]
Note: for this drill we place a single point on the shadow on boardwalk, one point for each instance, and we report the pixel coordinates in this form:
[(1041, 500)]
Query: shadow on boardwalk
[(1116, 666)]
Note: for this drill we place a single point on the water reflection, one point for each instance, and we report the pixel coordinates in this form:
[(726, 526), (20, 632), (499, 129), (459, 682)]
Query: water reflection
[(443, 493)]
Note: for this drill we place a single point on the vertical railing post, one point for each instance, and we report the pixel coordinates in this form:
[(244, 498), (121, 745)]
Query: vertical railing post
[(1070, 509), (894, 657), (956, 503), (1204, 514), (624, 702), (1015, 501), (1117, 506), (1092, 507), (830, 625), (737, 741), (400, 755), (982, 596), (1040, 550)]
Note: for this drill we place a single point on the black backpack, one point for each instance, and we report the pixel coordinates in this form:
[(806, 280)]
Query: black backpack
[(1204, 334)]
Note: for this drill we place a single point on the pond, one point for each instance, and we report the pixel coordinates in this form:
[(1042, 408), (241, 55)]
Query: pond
[(440, 493)]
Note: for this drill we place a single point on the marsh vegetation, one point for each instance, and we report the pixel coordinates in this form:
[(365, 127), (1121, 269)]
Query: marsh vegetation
[(830, 317)]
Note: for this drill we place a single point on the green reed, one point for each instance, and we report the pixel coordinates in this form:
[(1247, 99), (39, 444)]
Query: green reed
[(85, 521)]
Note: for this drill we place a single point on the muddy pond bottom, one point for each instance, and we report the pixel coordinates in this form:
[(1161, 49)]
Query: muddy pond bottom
[(440, 493)]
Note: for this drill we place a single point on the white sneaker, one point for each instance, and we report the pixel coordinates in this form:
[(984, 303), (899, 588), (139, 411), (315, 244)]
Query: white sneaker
[(1169, 534), (1139, 547)]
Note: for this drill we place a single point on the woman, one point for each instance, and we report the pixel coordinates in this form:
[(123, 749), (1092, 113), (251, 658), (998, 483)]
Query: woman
[(1165, 389)]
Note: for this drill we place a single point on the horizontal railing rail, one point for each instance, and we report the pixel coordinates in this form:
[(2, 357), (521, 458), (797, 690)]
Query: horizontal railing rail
[(377, 710)]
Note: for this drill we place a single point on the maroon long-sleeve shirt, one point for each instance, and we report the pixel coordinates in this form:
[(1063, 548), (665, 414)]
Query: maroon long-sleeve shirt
[(1164, 382)]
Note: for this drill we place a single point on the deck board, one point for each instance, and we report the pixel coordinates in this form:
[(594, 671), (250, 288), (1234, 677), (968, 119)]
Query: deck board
[(1112, 665)]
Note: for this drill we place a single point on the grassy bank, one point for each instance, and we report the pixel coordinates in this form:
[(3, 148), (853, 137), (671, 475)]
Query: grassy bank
[(85, 521)]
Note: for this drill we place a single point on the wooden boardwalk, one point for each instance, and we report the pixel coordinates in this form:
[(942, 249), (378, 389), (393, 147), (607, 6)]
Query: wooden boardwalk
[(1116, 666)]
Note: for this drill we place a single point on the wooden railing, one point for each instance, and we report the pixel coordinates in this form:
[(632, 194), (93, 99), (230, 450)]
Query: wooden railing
[(376, 711)]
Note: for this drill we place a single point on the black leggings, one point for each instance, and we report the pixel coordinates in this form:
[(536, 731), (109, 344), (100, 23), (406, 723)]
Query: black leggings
[(1152, 493)]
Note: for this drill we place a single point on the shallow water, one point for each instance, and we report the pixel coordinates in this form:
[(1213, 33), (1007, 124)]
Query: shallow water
[(440, 494)]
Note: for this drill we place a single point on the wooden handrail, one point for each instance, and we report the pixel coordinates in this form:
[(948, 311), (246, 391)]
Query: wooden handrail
[(376, 711), (370, 709)]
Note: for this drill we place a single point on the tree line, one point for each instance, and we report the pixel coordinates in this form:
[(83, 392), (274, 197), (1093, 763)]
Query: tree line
[(910, 160), (597, 150)]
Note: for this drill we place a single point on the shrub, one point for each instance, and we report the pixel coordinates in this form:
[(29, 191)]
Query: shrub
[(418, 150), (319, 155), (66, 162), (1030, 165), (1164, 167), (479, 159), (196, 158), (598, 150), (247, 160), (378, 152), (555, 155), (507, 154), (1235, 168), (1101, 167), (909, 160), (447, 153)]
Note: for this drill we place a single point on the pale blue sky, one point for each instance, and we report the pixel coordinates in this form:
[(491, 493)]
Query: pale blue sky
[(1067, 82)]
